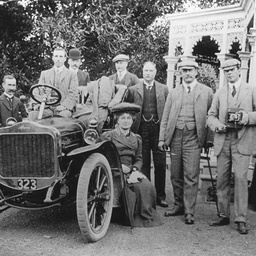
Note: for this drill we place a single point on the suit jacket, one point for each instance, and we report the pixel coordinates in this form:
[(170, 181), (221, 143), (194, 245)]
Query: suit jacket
[(18, 110), (128, 80), (128, 148), (135, 95), (68, 88), (83, 77), (217, 114), (203, 100)]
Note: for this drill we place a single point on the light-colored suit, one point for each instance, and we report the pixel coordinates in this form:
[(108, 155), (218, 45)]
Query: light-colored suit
[(233, 148), (185, 145), (68, 86), (203, 99)]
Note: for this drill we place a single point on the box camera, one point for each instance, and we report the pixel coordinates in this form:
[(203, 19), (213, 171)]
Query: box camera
[(233, 118)]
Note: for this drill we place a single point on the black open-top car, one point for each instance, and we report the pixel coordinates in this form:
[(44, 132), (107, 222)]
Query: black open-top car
[(57, 161)]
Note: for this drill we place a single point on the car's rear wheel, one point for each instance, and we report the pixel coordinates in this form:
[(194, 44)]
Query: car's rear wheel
[(95, 194)]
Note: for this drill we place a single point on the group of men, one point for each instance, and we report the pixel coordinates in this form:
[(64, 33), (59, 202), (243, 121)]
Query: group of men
[(174, 119)]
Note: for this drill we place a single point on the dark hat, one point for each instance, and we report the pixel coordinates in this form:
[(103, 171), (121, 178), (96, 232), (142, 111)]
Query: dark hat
[(187, 64), (74, 54), (125, 107), (230, 63), (121, 57)]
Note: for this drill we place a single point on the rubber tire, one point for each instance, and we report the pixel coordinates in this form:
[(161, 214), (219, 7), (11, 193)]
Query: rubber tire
[(87, 180)]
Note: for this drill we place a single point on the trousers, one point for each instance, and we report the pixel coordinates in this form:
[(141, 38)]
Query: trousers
[(149, 132), (185, 168)]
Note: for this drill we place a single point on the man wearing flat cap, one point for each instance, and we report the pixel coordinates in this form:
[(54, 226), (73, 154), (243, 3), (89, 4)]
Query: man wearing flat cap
[(122, 75), (183, 129), (232, 117), (74, 61)]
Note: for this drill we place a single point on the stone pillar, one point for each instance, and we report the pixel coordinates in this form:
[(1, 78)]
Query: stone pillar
[(244, 57), (171, 61), (222, 57), (252, 41)]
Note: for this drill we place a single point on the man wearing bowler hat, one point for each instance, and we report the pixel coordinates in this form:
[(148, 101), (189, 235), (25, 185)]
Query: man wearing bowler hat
[(183, 129), (232, 117), (122, 75), (74, 61)]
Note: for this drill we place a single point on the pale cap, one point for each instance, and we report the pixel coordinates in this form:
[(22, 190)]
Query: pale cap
[(121, 57), (187, 64), (230, 63)]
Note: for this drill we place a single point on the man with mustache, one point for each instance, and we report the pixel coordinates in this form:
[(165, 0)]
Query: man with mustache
[(183, 129), (150, 96), (10, 106), (74, 61)]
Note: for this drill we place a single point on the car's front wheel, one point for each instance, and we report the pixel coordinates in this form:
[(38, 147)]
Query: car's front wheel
[(95, 197)]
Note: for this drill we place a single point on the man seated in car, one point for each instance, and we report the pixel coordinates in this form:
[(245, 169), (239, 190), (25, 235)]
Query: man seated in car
[(65, 81)]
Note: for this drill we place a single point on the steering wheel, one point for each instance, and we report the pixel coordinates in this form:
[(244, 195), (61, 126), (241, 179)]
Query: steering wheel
[(45, 93)]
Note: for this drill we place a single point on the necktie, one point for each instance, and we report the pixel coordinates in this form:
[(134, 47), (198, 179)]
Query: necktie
[(234, 91), (189, 88), (57, 78), (149, 87), (120, 76)]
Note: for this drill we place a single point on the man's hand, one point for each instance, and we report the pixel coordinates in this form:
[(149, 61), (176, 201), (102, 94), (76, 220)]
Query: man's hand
[(221, 128), (162, 146), (126, 169), (245, 118), (60, 108)]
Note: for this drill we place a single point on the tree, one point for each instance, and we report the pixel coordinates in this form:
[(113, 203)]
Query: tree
[(100, 28)]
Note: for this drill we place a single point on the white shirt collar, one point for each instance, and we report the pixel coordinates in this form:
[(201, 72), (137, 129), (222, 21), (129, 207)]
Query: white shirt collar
[(147, 84), (192, 85), (121, 74), (236, 84), (8, 96), (58, 69)]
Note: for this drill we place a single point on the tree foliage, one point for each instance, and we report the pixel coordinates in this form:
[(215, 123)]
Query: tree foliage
[(99, 28)]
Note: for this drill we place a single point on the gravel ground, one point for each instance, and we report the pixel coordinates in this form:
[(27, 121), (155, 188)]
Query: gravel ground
[(55, 232)]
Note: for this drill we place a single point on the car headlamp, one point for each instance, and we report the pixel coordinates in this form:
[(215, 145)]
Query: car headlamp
[(91, 136)]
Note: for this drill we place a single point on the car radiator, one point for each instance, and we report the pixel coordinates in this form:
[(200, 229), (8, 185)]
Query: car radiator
[(26, 155)]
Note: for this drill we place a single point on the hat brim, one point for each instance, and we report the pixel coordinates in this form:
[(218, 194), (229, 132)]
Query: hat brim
[(187, 67), (125, 107)]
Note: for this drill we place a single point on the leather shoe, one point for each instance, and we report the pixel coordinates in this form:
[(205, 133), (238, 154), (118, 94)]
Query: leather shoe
[(189, 219), (175, 211), (222, 221), (162, 203), (242, 229)]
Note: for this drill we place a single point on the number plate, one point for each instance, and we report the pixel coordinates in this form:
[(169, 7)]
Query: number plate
[(29, 184)]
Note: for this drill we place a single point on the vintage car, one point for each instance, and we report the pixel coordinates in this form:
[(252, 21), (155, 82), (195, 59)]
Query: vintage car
[(56, 161)]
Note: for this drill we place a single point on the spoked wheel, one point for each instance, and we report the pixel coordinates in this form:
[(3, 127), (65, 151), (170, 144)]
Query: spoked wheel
[(95, 194)]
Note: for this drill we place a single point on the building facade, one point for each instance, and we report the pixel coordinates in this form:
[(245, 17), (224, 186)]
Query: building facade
[(211, 36)]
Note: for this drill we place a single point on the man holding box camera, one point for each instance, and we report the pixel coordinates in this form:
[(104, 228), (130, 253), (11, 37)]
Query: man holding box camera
[(232, 117)]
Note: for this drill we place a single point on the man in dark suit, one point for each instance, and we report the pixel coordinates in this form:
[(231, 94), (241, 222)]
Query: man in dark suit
[(232, 117), (122, 76), (65, 81), (183, 129), (10, 106), (150, 96), (74, 61)]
